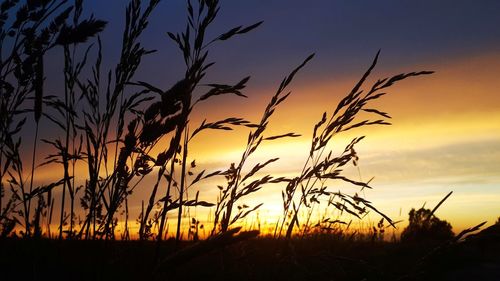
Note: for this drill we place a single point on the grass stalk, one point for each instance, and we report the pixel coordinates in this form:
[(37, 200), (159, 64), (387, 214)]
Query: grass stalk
[(167, 196), (182, 184)]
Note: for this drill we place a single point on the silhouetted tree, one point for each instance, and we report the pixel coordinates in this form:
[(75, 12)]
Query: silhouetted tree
[(425, 227)]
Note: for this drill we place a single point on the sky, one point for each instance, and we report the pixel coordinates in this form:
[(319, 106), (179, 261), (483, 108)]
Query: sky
[(446, 127)]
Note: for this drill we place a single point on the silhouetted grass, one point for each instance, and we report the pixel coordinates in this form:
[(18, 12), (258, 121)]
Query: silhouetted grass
[(319, 169), (111, 123), (236, 187), (317, 257)]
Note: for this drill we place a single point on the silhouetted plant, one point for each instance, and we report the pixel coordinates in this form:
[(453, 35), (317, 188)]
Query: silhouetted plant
[(424, 226), (112, 123), (36, 28), (117, 185), (182, 99), (307, 188), (236, 188), (69, 149)]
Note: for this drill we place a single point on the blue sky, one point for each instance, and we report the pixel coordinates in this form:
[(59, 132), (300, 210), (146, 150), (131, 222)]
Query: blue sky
[(446, 127)]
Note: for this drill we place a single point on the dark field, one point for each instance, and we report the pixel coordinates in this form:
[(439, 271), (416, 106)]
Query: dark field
[(93, 137), (315, 258)]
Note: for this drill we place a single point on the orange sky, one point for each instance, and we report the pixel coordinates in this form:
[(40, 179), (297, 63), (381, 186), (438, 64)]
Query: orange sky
[(446, 127), (445, 137)]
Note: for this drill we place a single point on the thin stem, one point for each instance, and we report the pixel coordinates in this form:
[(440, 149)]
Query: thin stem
[(183, 179), (26, 218), (165, 203), (33, 159), (67, 69)]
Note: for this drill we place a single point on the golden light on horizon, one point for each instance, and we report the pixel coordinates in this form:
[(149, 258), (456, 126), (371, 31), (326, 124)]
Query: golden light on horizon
[(428, 121), (249, 140)]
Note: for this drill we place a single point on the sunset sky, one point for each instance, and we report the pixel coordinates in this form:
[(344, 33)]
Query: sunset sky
[(446, 127)]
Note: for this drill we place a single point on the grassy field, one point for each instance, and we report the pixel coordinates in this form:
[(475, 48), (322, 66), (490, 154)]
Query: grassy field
[(319, 257), (112, 134)]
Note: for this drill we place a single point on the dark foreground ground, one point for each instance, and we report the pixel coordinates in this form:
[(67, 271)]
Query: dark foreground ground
[(314, 258)]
